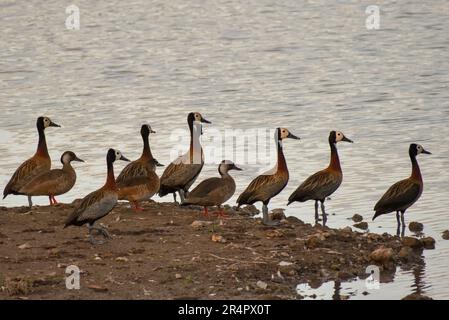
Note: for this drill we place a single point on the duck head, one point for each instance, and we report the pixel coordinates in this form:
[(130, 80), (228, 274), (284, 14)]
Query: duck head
[(416, 149), (146, 130), (227, 165), (196, 117), (69, 156), (284, 133), (337, 136), (44, 122), (114, 155)]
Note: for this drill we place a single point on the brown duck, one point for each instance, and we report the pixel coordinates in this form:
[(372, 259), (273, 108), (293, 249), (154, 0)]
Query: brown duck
[(34, 166), (322, 184), (403, 194), (54, 182), (268, 185), (99, 203), (138, 181), (214, 191), (182, 173)]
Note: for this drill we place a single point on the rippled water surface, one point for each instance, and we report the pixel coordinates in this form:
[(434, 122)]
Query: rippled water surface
[(311, 66)]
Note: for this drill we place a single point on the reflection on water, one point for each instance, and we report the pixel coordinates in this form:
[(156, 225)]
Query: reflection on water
[(309, 66)]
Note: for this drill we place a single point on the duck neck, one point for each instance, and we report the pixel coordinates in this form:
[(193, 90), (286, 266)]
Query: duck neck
[(195, 150), (416, 171), (67, 167), (335, 159), (281, 162), (110, 180), (146, 153), (42, 144)]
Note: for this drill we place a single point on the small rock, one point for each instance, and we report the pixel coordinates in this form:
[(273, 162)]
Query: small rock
[(198, 224), (218, 238), (313, 242), (428, 243), (416, 296), (411, 242), (24, 246), (178, 276), (285, 264), (346, 230), (416, 226), (382, 255), (121, 259), (277, 214), (406, 253), (361, 225), (446, 235), (357, 218), (262, 285), (97, 288)]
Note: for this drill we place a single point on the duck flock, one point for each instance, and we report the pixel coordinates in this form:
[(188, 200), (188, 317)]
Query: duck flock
[(139, 181)]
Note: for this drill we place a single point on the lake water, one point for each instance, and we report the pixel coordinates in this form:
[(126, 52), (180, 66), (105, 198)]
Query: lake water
[(310, 66)]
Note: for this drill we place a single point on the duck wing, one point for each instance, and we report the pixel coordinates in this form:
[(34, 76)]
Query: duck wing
[(316, 187), (94, 206), (52, 182), (263, 188), (400, 195), (26, 171)]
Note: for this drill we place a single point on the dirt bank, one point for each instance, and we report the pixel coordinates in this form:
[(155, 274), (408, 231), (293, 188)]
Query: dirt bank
[(168, 252)]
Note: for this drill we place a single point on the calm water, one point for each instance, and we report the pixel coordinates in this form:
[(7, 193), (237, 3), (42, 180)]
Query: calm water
[(311, 66)]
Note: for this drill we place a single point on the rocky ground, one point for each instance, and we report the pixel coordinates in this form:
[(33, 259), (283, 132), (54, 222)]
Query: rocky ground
[(171, 252)]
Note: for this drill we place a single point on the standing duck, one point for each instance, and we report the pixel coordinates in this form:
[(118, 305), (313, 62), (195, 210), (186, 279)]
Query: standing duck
[(182, 173), (53, 182), (322, 184), (214, 191), (99, 203), (270, 184), (35, 165), (138, 181), (403, 194)]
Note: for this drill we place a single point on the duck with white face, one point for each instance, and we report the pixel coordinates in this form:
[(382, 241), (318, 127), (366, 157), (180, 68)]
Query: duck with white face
[(403, 194), (99, 203), (53, 182), (324, 183), (268, 185), (39, 163), (214, 191), (180, 175)]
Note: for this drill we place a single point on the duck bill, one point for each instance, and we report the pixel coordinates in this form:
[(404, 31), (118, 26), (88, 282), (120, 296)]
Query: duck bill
[(124, 159), (152, 131), (52, 124), (292, 136), (158, 164), (237, 168), (205, 121), (347, 140), (426, 152), (78, 159)]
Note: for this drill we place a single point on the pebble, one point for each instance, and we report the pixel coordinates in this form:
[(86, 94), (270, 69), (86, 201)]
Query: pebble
[(382, 255), (178, 276), (198, 224), (361, 225), (411, 242), (357, 218), (262, 285), (428, 243), (24, 246), (415, 226), (446, 235), (218, 238), (121, 259)]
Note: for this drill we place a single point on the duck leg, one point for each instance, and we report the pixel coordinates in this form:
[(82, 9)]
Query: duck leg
[(51, 200), (174, 197), (403, 223), (181, 195), (54, 200), (316, 211), (206, 212), (137, 207), (221, 213), (266, 219), (323, 211), (399, 223), (30, 202)]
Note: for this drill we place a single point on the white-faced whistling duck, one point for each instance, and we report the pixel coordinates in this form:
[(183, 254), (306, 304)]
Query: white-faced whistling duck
[(53, 182), (322, 184), (182, 173), (98, 203), (403, 194), (37, 164), (270, 184), (138, 181), (214, 191)]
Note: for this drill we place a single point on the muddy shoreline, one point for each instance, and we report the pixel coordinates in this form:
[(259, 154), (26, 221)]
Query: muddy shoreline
[(171, 252)]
